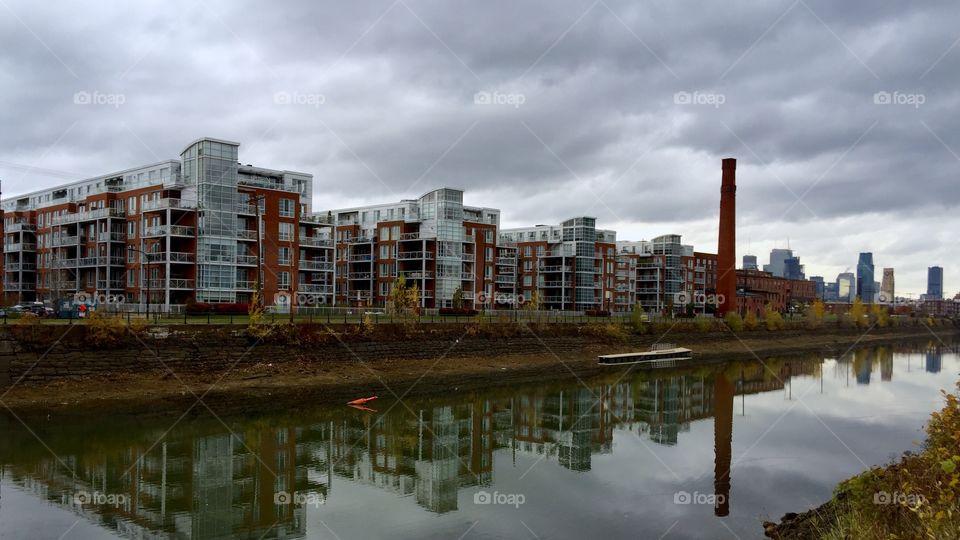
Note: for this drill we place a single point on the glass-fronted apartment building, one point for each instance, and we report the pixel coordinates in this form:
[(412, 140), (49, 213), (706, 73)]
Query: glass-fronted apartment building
[(202, 228), (435, 242)]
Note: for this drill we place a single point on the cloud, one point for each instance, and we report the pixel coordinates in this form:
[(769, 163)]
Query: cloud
[(599, 129)]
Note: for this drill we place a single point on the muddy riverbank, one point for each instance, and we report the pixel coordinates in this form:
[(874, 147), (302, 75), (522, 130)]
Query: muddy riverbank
[(272, 377)]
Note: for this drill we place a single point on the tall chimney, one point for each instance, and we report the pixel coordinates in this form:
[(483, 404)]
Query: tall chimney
[(727, 244)]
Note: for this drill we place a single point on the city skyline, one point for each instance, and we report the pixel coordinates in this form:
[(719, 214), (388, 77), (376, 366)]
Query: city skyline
[(388, 101)]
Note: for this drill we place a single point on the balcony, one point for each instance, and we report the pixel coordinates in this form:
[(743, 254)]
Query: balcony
[(507, 261), (247, 235), (171, 230), (409, 236), (360, 275), (312, 288), (173, 257), (361, 258), (175, 283), (16, 286), (555, 269), (246, 285), (417, 275), (112, 284), (90, 215), (315, 265), (410, 255), (17, 267), (111, 237), (163, 204), (8, 248), (59, 241), (246, 260), (20, 226), (247, 209), (312, 241)]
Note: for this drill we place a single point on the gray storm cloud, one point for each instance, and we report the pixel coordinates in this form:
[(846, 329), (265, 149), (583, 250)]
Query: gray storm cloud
[(789, 88)]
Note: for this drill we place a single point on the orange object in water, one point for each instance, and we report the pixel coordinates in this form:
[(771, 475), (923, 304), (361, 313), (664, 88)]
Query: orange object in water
[(361, 401)]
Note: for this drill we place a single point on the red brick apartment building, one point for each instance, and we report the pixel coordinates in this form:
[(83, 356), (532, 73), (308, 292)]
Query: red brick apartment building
[(756, 289), (570, 267), (181, 230), (435, 242)]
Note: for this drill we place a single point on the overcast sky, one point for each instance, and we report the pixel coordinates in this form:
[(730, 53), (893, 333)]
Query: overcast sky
[(545, 109)]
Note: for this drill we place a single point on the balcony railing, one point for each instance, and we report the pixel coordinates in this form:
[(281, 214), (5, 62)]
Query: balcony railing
[(312, 241), (18, 227), (417, 275), (554, 269), (507, 261), (17, 267), (361, 258), (173, 257), (112, 284), (247, 235), (58, 241), (163, 204), (7, 248), (246, 285), (172, 230), (175, 283), (111, 237), (247, 260), (315, 265), (406, 255), (360, 275), (312, 288), (13, 286), (89, 215)]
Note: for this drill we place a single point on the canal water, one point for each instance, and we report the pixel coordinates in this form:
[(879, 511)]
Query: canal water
[(704, 452)]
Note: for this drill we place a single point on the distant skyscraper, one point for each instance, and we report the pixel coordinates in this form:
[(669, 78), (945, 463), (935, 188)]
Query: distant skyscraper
[(778, 258), (865, 284), (831, 292), (792, 269), (750, 262), (887, 289), (821, 287), (846, 287), (935, 283)]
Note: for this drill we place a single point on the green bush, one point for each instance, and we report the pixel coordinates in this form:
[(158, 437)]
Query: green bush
[(734, 321)]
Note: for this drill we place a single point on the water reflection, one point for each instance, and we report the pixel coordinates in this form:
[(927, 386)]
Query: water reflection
[(204, 480)]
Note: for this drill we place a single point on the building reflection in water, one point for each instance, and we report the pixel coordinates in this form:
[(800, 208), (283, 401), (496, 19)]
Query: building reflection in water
[(209, 484)]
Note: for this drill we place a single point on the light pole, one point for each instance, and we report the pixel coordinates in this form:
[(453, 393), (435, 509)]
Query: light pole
[(146, 264)]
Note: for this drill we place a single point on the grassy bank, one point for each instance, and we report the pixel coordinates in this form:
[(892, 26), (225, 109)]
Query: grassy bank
[(917, 496)]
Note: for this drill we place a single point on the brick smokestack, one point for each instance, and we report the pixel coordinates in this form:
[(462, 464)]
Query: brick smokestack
[(727, 244)]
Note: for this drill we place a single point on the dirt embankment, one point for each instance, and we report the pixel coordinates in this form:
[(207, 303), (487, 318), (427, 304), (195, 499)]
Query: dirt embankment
[(273, 382)]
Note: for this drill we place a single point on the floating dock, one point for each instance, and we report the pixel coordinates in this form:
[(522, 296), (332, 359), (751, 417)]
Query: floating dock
[(660, 357)]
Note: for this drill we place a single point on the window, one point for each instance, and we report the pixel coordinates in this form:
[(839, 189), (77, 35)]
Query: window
[(384, 252), (286, 231), (283, 255), (131, 229), (527, 281), (131, 279), (287, 207), (283, 280), (527, 251), (396, 232), (385, 233)]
